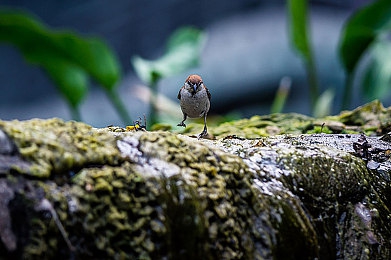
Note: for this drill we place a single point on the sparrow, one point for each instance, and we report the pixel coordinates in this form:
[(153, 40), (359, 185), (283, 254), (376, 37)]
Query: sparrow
[(194, 100)]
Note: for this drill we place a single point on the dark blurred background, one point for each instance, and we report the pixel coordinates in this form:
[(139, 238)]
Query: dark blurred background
[(246, 54)]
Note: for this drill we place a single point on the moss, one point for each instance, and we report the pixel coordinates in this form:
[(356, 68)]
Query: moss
[(61, 147), (371, 118), (151, 195), (325, 179)]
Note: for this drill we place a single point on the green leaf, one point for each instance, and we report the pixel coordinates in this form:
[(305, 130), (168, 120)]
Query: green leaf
[(361, 30), (92, 55), (182, 52), (68, 58), (377, 79), (298, 16), (68, 77)]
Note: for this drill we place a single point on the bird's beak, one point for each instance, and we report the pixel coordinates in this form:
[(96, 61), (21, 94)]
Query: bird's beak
[(195, 88)]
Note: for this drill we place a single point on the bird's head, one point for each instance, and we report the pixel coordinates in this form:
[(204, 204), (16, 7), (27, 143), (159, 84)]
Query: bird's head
[(193, 83)]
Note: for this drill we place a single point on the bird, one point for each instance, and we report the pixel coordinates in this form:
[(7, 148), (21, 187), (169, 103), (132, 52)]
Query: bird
[(194, 101)]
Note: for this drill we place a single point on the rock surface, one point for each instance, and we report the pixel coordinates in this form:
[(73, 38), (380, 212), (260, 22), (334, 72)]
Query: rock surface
[(68, 190)]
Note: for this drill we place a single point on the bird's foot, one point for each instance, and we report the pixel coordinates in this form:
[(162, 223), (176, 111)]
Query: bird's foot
[(202, 134), (181, 124)]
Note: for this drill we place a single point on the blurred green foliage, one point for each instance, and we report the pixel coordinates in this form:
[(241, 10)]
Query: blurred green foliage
[(365, 32), (377, 77), (70, 60), (281, 95), (183, 51), (300, 39)]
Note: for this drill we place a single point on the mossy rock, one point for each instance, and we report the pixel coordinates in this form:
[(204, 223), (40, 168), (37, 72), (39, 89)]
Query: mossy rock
[(68, 190)]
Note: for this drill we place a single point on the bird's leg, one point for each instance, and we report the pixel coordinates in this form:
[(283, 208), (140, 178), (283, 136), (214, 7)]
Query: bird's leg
[(183, 121), (205, 131)]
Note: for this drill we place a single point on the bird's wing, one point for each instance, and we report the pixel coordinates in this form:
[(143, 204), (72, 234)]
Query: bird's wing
[(179, 93), (208, 93)]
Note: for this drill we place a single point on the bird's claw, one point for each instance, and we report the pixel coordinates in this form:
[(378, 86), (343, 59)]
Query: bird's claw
[(181, 124), (202, 134)]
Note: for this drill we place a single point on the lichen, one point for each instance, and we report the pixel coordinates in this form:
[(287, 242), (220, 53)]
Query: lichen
[(54, 146), (371, 118), (122, 193), (330, 181)]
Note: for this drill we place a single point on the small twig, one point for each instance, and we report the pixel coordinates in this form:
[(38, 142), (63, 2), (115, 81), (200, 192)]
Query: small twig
[(321, 128), (46, 205)]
